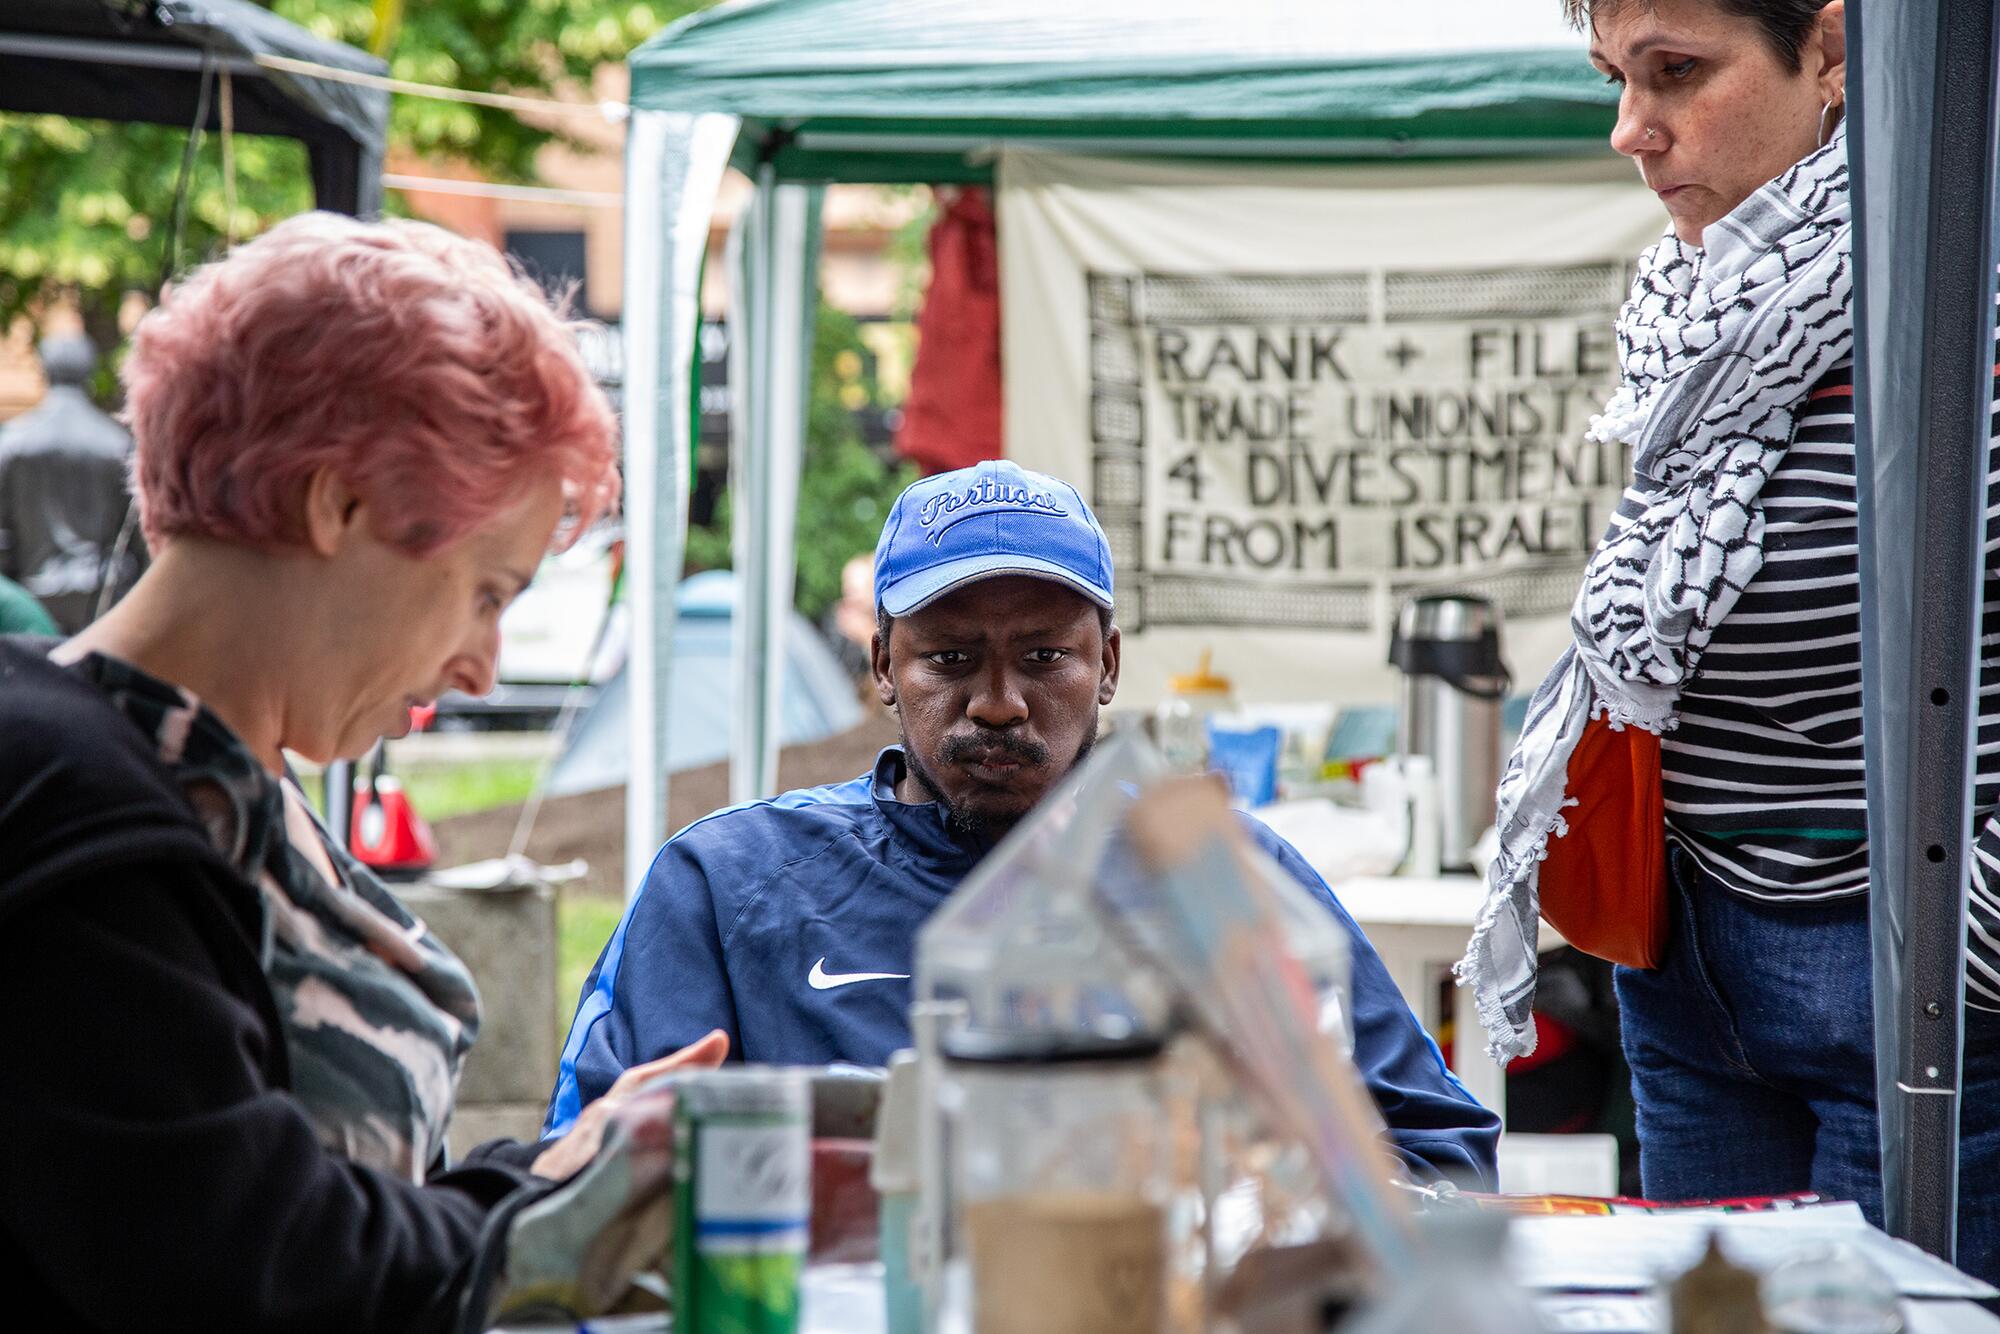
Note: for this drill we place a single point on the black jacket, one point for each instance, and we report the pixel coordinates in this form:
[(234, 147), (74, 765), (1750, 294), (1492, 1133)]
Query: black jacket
[(63, 500), (154, 1172)]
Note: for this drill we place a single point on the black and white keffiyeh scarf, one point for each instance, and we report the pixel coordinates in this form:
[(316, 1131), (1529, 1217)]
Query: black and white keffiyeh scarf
[(1718, 347)]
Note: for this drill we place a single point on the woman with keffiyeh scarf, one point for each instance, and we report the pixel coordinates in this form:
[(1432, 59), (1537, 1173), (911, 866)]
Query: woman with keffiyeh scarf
[(1720, 615)]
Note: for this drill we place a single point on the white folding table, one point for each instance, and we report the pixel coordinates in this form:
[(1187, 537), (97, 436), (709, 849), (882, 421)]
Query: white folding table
[(1419, 927)]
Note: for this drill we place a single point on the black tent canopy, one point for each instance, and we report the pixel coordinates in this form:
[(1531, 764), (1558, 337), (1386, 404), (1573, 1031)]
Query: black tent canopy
[(144, 60)]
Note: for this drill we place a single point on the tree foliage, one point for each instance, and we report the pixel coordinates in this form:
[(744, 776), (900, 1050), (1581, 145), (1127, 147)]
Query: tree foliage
[(845, 485), (85, 210), (85, 205)]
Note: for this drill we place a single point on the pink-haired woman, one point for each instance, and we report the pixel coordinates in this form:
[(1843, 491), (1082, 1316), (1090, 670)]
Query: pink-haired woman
[(231, 1054)]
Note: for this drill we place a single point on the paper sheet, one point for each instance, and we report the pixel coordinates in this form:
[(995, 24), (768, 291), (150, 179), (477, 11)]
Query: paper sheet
[(1602, 1313), (1632, 1252)]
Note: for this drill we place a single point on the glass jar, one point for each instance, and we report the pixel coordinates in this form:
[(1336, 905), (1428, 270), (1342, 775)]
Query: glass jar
[(1061, 1185), (1462, 1286), (1834, 1289)]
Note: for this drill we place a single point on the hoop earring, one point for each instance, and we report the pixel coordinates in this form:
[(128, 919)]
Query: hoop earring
[(1823, 113)]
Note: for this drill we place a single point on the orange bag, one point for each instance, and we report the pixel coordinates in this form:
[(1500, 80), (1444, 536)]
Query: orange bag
[(1604, 884)]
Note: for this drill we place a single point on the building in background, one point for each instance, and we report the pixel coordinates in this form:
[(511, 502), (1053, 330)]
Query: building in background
[(580, 240)]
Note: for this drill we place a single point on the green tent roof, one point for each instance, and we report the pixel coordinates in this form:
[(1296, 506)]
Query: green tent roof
[(894, 90)]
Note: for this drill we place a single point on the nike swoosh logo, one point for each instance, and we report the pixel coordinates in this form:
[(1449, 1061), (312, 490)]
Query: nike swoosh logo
[(821, 980)]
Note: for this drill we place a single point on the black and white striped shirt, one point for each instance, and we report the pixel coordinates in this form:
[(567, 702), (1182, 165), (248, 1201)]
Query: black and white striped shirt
[(1763, 777)]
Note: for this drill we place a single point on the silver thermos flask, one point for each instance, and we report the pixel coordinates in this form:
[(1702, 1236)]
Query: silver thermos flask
[(1448, 649)]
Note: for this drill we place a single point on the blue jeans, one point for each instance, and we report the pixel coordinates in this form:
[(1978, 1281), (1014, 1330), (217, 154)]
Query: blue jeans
[(1752, 1049)]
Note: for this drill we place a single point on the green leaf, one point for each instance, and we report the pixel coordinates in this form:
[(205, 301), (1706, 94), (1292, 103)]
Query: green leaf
[(845, 485), (71, 189)]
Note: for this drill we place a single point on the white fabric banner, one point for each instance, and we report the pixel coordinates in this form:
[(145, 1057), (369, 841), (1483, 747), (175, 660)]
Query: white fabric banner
[(1296, 396)]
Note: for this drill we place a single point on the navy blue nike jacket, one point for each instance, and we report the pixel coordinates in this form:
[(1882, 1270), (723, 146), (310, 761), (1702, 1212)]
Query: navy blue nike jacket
[(792, 925)]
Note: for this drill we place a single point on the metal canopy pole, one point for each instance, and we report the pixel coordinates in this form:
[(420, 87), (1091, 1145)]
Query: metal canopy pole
[(347, 177), (1921, 81), (673, 172), (773, 255)]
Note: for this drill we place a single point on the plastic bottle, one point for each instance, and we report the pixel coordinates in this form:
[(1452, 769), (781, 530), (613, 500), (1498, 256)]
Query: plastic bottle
[(1181, 722), (1426, 846)]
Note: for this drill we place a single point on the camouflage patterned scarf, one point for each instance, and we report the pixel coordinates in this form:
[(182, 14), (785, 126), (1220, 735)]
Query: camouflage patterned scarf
[(378, 1014)]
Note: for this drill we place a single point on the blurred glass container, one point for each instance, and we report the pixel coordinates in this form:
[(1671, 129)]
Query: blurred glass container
[(1020, 959), (1831, 1290), (1180, 724), (1320, 943), (1021, 946), (1060, 1166), (1465, 1287), (894, 1174)]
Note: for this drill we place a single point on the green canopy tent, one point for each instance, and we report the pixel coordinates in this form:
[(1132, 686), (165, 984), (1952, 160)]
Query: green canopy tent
[(802, 93)]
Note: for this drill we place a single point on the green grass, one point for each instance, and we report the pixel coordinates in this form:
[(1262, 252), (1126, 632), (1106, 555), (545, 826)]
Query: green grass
[(441, 791), (583, 923)]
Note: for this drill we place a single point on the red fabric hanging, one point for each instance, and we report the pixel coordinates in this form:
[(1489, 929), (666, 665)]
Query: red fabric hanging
[(952, 417)]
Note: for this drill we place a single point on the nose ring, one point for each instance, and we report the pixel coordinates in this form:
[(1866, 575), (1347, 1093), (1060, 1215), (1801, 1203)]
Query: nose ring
[(1652, 133)]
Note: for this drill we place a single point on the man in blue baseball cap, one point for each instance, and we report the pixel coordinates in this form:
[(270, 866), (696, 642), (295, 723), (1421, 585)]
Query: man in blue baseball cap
[(993, 640), (791, 924)]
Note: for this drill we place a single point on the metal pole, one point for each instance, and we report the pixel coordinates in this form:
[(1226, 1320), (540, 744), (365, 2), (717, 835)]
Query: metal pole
[(673, 172), (1922, 141), (749, 397), (337, 800)]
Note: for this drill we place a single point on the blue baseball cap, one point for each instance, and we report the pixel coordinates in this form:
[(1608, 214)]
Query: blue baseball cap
[(991, 519)]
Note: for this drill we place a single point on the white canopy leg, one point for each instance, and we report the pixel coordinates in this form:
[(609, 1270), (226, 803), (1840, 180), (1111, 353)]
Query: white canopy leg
[(774, 255), (673, 172)]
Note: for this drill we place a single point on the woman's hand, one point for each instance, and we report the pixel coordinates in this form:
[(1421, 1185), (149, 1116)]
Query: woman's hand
[(570, 1153), (579, 1249)]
